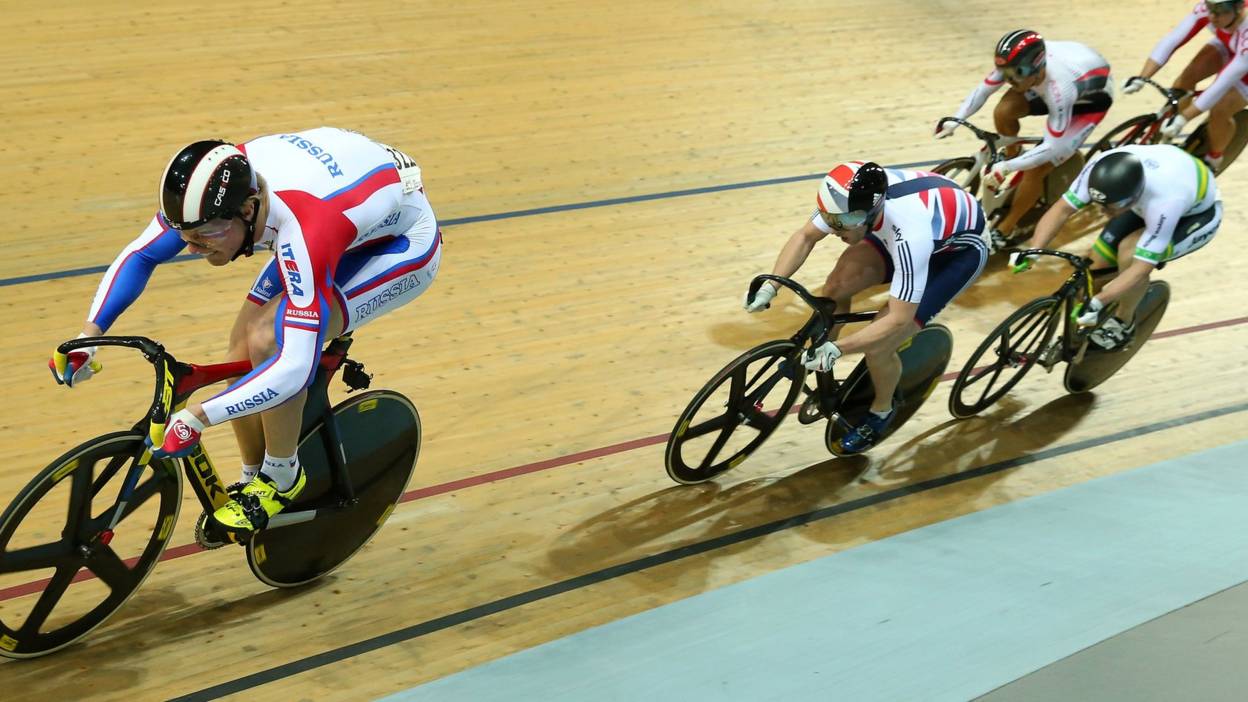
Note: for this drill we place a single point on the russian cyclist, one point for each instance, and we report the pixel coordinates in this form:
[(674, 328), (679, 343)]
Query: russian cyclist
[(353, 237)]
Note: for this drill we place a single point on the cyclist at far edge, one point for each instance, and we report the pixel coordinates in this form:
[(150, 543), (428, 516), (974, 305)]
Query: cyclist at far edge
[(1229, 92)]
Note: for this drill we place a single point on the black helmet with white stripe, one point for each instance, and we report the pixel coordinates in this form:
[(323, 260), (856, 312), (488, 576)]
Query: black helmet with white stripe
[(205, 181)]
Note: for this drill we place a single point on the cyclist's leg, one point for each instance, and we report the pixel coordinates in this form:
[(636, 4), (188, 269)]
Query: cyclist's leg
[(1129, 299), (280, 424), (1221, 122), (1205, 63), (1087, 114), (859, 267), (1104, 251), (389, 275), (949, 273), (248, 430), (1012, 107), (1030, 187)]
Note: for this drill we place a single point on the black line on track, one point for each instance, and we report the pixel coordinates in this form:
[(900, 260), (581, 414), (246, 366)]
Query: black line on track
[(336, 655)]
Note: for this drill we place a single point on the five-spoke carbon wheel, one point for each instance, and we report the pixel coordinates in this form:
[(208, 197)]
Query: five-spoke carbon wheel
[(66, 569), (735, 412), (1004, 357)]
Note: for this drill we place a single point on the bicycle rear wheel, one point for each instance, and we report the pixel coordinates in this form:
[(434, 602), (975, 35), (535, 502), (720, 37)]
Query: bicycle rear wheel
[(381, 434), (1015, 344), (1097, 366), (743, 395), (958, 169), (57, 527), (924, 358)]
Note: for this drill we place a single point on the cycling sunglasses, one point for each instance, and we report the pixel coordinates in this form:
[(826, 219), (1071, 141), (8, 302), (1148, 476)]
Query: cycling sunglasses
[(843, 221), (1222, 8)]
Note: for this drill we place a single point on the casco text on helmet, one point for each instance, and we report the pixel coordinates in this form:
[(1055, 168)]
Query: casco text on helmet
[(204, 181)]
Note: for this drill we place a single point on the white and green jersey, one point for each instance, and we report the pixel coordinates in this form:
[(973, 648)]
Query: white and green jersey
[(1176, 185)]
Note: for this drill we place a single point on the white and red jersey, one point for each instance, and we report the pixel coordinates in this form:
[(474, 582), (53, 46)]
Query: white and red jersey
[(924, 214), (330, 191), (1235, 42), (1191, 25), (1072, 72)]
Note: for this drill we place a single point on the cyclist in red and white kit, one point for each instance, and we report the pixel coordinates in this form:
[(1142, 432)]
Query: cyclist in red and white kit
[(353, 237), (1226, 53), (1065, 80)]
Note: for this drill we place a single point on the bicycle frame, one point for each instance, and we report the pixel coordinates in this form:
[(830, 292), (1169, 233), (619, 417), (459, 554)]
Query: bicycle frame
[(816, 330), (994, 145), (177, 381), (1150, 132), (1076, 290)]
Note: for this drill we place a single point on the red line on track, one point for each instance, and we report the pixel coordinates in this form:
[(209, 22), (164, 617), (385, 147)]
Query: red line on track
[(485, 478)]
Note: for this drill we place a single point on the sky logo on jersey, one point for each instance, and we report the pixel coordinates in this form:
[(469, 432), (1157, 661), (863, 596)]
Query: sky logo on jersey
[(292, 269), (327, 159), (251, 402)]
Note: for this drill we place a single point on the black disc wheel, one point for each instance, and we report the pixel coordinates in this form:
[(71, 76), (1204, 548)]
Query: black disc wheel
[(1004, 357), (63, 571), (1096, 366), (735, 412), (381, 434), (924, 358)]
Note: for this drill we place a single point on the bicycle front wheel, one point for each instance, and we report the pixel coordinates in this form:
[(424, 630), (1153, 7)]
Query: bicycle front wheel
[(56, 533), (1133, 131), (1007, 354), (755, 392)]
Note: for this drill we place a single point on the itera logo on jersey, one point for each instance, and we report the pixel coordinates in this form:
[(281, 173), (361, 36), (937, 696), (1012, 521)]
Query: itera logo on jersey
[(292, 269)]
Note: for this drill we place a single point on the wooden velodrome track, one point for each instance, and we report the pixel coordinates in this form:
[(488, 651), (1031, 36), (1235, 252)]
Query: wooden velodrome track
[(554, 352)]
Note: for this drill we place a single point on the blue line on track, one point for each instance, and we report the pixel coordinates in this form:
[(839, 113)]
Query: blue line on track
[(89, 270)]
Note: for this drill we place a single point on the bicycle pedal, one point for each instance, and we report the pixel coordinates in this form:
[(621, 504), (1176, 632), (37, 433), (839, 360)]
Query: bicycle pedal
[(810, 411), (203, 538)]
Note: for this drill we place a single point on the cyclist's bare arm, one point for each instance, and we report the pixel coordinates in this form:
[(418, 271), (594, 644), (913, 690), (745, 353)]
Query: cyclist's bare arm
[(1051, 223), (882, 330), (796, 249)]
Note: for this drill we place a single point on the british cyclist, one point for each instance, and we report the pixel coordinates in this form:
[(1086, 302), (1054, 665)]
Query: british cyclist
[(353, 236), (917, 231), (1164, 205), (1065, 80)]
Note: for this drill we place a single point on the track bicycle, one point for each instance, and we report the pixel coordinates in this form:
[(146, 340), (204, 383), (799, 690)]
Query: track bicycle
[(107, 507), (967, 172), (1146, 129), (1029, 336), (758, 389)]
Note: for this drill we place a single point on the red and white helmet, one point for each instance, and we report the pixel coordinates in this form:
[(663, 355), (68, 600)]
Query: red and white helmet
[(852, 193)]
